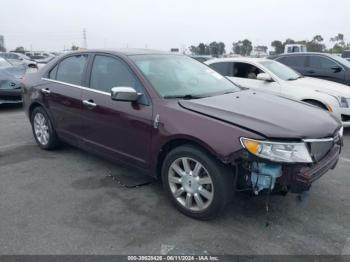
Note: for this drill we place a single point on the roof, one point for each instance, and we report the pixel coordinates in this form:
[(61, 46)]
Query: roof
[(237, 59), (126, 51)]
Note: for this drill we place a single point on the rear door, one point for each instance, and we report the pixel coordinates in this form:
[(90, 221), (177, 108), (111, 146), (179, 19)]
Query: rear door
[(116, 129), (61, 91), (325, 68)]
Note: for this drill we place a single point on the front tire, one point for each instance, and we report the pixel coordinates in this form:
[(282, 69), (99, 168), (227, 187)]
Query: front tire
[(43, 131), (197, 184)]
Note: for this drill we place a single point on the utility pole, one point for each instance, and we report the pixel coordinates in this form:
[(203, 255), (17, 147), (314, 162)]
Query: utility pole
[(84, 39)]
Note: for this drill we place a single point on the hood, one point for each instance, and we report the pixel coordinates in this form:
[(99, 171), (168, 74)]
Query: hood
[(15, 72), (325, 86), (267, 115)]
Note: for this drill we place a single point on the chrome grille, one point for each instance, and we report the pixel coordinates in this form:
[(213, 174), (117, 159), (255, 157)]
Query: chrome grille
[(319, 148)]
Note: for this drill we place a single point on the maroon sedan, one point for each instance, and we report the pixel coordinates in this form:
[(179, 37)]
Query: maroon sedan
[(178, 120)]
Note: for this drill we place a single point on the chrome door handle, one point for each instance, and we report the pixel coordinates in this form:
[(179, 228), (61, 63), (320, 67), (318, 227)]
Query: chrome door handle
[(89, 103), (46, 91)]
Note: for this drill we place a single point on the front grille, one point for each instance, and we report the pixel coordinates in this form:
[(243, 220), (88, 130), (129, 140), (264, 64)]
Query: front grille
[(11, 98), (319, 149)]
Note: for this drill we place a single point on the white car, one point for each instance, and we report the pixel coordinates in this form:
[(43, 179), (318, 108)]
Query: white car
[(18, 59), (273, 77)]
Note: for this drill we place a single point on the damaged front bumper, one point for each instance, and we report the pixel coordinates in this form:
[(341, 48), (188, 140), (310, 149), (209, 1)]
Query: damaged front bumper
[(300, 177), (296, 178)]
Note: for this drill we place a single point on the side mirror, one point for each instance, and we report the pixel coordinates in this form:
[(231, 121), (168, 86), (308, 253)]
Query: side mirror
[(264, 77), (336, 69), (122, 93)]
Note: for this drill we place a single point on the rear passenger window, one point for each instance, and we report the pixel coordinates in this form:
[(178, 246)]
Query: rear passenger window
[(222, 68), (71, 69), (108, 72), (293, 61)]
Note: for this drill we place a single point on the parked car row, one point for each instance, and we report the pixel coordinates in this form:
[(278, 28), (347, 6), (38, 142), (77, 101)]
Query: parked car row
[(275, 78), (178, 120), (19, 59)]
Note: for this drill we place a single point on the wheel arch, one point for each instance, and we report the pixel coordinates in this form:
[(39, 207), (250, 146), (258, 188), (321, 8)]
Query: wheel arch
[(32, 107), (36, 104), (317, 101), (177, 141)]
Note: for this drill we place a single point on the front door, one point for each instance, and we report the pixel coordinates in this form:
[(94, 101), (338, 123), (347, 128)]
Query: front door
[(325, 68), (118, 130), (245, 75)]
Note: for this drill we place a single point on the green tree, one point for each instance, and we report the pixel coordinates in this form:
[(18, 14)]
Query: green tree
[(193, 49), (278, 47), (316, 44), (201, 49), (337, 38), (221, 48), (20, 49), (339, 44), (243, 48), (75, 48)]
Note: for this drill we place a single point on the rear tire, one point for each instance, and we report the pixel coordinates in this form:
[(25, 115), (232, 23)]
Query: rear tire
[(197, 184), (43, 131)]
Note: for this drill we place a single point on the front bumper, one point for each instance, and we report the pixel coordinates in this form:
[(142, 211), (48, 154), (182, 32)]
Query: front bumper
[(299, 178), (10, 96)]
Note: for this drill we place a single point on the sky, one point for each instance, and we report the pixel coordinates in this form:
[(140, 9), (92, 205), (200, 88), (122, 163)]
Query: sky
[(53, 25)]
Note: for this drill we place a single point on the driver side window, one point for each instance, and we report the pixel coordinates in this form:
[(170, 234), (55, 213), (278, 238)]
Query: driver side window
[(244, 70), (108, 72)]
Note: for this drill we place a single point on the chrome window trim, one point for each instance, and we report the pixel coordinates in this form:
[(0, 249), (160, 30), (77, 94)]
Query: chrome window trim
[(76, 86), (329, 139)]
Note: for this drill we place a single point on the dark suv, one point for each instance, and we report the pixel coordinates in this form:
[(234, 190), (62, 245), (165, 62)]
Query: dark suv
[(320, 65), (176, 119), (346, 55)]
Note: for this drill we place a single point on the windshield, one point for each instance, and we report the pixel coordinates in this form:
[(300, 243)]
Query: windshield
[(341, 60), (280, 70), (182, 76), (4, 63)]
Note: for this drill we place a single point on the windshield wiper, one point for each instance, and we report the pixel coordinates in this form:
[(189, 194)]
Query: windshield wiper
[(188, 96)]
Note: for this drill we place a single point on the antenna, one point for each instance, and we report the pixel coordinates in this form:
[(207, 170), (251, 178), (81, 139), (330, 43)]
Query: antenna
[(84, 39)]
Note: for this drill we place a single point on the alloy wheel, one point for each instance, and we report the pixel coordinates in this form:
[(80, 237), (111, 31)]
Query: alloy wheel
[(190, 184), (41, 129)]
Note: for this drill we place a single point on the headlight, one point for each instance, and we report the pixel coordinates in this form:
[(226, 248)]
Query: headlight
[(278, 152), (343, 102)]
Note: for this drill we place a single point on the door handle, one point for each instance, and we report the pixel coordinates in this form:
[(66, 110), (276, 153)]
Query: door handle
[(89, 103), (311, 72), (46, 91)]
